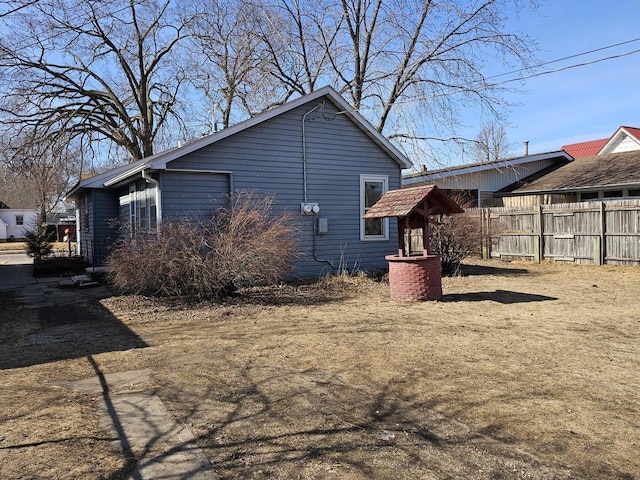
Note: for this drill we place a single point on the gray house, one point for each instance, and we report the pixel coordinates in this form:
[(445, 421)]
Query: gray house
[(320, 159)]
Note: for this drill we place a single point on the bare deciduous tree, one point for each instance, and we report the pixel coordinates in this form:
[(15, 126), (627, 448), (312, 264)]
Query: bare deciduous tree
[(491, 143), (97, 70), (39, 171), (225, 33)]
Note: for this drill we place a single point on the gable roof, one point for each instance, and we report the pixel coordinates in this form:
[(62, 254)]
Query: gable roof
[(614, 170), (401, 203), (604, 145), (431, 175), (160, 160), (585, 149), (629, 132)]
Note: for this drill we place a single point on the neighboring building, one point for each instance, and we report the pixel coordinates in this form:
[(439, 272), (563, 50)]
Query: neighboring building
[(589, 170), (625, 139), (613, 171), (613, 175), (16, 222), (313, 153), (479, 181)]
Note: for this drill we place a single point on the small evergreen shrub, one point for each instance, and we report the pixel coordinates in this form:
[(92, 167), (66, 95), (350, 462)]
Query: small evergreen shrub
[(38, 244)]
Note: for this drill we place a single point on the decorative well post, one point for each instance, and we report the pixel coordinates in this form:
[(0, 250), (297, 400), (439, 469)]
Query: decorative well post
[(417, 277)]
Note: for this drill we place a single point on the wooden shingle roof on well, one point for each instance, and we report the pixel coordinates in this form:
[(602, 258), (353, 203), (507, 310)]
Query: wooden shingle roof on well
[(611, 170), (401, 203)]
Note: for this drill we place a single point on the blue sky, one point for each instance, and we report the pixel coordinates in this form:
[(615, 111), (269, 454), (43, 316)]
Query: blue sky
[(578, 104)]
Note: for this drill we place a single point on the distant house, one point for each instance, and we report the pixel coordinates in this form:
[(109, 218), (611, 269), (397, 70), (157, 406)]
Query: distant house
[(613, 175), (624, 139), (613, 171), (596, 169), (323, 162), (480, 181), (16, 222)]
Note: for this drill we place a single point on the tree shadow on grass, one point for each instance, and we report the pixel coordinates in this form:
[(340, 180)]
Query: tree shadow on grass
[(467, 270), (307, 424), (32, 336), (505, 297)]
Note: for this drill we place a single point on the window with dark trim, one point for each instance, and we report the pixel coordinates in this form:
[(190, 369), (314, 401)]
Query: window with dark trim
[(613, 194), (19, 220), (588, 195)]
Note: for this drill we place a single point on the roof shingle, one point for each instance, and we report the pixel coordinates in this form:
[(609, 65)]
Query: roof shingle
[(596, 171)]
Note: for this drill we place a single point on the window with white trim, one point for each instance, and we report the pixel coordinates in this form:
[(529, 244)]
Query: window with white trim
[(19, 220), (142, 208), (372, 188)]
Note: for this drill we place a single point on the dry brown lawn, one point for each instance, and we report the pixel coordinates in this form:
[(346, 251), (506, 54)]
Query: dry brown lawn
[(520, 371)]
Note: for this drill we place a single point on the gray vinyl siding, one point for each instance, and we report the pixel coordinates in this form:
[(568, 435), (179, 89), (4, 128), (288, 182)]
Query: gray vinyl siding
[(102, 210), (188, 195), (268, 158), (124, 207), (105, 208)]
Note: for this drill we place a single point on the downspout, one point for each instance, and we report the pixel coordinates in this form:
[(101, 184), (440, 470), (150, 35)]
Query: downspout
[(156, 185), (304, 185)]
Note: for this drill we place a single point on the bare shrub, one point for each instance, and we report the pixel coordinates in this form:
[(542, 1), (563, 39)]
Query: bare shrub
[(243, 245), (457, 237)]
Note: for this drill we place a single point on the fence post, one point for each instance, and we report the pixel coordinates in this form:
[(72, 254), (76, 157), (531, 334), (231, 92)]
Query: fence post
[(539, 248), (485, 220), (603, 235)]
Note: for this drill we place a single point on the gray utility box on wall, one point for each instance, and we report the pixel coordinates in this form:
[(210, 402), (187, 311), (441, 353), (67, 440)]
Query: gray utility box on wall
[(322, 225)]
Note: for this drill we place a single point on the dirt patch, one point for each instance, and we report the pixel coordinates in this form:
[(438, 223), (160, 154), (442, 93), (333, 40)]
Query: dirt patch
[(520, 371)]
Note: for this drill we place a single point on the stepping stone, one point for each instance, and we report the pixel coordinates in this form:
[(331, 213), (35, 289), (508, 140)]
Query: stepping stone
[(66, 283), (80, 279)]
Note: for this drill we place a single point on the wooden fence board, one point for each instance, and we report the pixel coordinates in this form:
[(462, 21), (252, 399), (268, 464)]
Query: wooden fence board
[(606, 232)]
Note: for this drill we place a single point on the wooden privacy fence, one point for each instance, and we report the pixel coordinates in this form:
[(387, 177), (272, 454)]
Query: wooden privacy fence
[(606, 232)]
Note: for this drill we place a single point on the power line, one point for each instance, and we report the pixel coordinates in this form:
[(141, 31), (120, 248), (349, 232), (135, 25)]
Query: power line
[(588, 52), (568, 67), (483, 84)]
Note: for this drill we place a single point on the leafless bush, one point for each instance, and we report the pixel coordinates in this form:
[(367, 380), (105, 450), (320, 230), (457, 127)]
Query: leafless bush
[(458, 237), (244, 245)]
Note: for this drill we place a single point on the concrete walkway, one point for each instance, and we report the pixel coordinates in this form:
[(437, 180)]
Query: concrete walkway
[(16, 271), (145, 429), (139, 422)]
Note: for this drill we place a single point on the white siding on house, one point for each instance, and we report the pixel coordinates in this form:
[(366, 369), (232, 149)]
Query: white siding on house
[(491, 180), (16, 223), (623, 144)]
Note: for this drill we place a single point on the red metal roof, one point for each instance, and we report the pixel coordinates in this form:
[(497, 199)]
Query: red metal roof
[(632, 131), (586, 149)]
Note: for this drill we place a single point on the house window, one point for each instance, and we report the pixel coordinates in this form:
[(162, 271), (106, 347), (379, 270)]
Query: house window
[(613, 194), (85, 217), (372, 188), (142, 208), (634, 192), (19, 220), (588, 195)]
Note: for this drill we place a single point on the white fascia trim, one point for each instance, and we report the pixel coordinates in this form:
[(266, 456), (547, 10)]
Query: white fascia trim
[(189, 170), (475, 168), (124, 175), (617, 186)]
